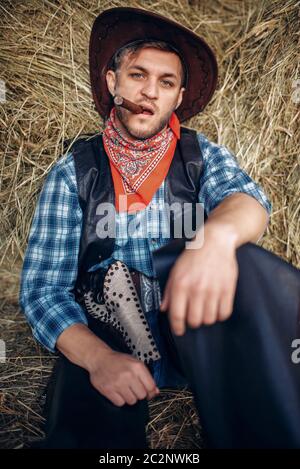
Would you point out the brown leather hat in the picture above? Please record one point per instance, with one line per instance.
(116, 27)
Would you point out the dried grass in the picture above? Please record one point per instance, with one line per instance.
(254, 112)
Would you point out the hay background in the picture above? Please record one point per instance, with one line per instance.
(254, 112)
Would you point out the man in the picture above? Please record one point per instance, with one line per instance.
(100, 395)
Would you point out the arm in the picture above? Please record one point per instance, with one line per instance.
(202, 283)
(237, 220)
(46, 294)
(82, 347)
(50, 270)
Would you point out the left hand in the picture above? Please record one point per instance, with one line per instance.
(201, 286)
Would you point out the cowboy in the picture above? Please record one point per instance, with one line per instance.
(75, 281)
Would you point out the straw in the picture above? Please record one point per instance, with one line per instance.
(254, 112)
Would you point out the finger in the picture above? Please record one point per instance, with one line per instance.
(128, 395)
(165, 300)
(138, 389)
(152, 394)
(210, 311)
(116, 399)
(148, 382)
(195, 310)
(177, 310)
(226, 306)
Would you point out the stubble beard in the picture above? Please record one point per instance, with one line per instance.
(155, 128)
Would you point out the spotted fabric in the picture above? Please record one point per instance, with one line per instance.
(119, 304)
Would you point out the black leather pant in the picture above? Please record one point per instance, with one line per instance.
(78, 416)
(245, 385)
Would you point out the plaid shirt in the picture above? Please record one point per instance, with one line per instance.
(50, 264)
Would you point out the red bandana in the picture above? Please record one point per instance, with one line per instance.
(139, 167)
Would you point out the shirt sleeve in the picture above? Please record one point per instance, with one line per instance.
(50, 265)
(223, 176)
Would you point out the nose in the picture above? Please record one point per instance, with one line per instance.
(150, 89)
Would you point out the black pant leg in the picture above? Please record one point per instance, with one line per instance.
(246, 387)
(80, 417)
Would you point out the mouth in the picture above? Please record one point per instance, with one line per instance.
(147, 110)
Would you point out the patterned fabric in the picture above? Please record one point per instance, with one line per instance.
(150, 293)
(50, 265)
(118, 303)
(138, 167)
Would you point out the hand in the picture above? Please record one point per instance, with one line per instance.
(122, 378)
(201, 285)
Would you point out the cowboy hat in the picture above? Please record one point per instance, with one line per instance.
(116, 27)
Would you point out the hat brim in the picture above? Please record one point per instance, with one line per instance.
(116, 27)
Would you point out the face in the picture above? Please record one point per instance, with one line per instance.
(152, 78)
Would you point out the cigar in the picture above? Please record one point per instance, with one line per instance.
(129, 105)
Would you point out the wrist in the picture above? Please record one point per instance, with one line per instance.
(81, 346)
(214, 234)
(96, 354)
(222, 234)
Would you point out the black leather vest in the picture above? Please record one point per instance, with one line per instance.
(95, 186)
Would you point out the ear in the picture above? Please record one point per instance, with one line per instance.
(111, 81)
(180, 97)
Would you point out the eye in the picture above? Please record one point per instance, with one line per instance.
(136, 75)
(167, 83)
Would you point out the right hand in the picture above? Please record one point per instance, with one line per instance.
(122, 379)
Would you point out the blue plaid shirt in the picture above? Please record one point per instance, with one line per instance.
(50, 264)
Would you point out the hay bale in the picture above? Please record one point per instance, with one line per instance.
(255, 110)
